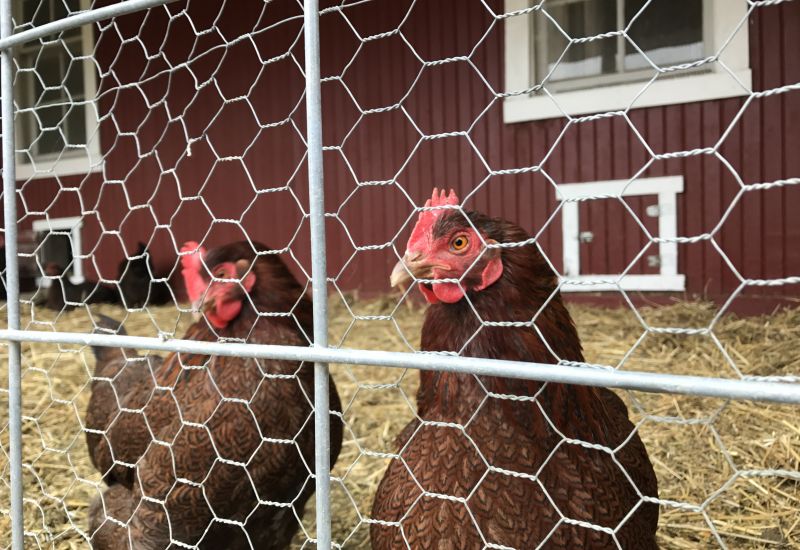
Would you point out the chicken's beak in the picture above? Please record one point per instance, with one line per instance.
(399, 275)
(412, 266)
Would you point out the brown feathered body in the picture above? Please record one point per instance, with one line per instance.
(540, 484)
(209, 437)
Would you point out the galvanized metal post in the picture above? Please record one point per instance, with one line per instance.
(80, 18)
(319, 274)
(12, 277)
(754, 388)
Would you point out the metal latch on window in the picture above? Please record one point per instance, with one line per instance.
(586, 236)
(653, 260)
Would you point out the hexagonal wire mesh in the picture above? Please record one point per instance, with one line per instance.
(157, 150)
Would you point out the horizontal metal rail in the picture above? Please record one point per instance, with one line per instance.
(82, 18)
(778, 392)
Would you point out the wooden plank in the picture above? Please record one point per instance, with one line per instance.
(656, 135)
(712, 196)
(604, 170)
(591, 253)
(730, 236)
(694, 197)
(620, 170)
(495, 149)
(673, 141)
(752, 154)
(772, 142)
(790, 15)
(392, 145)
(636, 238)
(529, 192)
(554, 167)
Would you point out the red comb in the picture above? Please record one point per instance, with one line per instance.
(192, 263)
(428, 217)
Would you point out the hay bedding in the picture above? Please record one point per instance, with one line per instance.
(696, 444)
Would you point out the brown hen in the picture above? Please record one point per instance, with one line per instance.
(191, 442)
(518, 477)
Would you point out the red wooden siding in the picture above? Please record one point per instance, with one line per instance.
(760, 237)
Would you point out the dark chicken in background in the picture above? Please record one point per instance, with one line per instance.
(65, 295)
(257, 444)
(136, 285)
(524, 436)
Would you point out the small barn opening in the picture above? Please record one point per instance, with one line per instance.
(588, 264)
(58, 242)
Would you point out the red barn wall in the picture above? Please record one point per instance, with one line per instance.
(152, 101)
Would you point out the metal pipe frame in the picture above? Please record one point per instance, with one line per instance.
(82, 18)
(320, 353)
(12, 276)
(319, 276)
(751, 390)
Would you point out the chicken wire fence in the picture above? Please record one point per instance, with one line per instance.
(165, 123)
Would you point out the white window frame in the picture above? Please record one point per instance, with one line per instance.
(667, 280)
(72, 225)
(86, 160)
(719, 17)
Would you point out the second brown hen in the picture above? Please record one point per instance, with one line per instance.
(192, 443)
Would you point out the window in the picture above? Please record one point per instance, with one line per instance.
(56, 86)
(608, 73)
(662, 273)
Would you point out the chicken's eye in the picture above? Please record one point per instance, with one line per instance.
(459, 243)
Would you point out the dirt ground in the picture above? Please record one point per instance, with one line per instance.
(732, 469)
